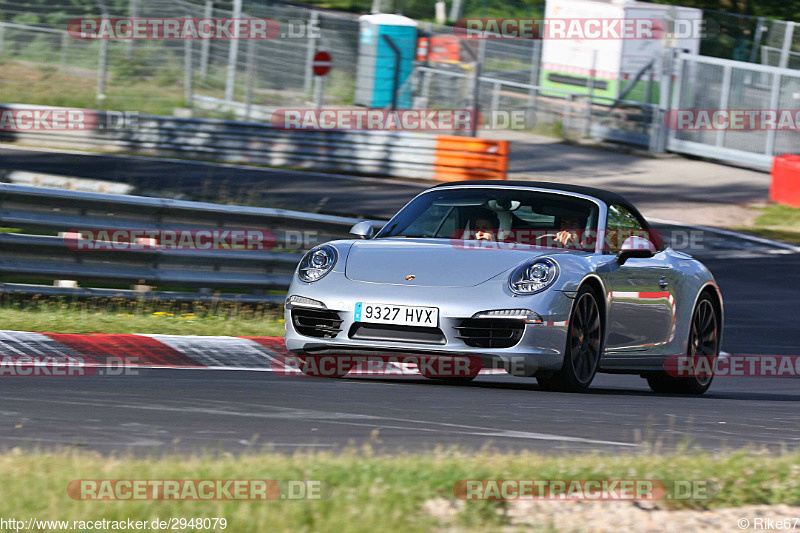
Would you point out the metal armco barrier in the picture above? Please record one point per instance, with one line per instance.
(54, 210)
(381, 153)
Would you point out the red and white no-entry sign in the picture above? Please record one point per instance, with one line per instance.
(321, 64)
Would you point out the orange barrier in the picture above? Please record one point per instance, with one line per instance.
(439, 49)
(785, 187)
(470, 158)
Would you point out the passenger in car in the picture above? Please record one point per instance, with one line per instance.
(485, 224)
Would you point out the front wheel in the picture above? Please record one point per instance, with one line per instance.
(584, 345)
(703, 342)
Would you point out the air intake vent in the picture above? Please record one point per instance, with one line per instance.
(394, 333)
(316, 322)
(490, 332)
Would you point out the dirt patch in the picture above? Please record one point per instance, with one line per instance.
(613, 517)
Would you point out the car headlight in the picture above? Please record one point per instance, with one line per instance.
(316, 263)
(533, 276)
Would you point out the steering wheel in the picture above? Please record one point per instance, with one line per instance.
(554, 235)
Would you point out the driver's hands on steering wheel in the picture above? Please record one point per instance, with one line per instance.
(567, 237)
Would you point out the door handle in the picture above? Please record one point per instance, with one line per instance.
(663, 283)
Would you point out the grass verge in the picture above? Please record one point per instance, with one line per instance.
(777, 222)
(61, 316)
(370, 492)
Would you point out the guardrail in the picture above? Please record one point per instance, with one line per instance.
(384, 153)
(47, 257)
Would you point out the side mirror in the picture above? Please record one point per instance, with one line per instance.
(363, 230)
(635, 246)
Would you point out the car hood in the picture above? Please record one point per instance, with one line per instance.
(433, 262)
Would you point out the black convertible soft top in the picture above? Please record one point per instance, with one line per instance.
(605, 196)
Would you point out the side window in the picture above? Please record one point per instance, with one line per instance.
(621, 224)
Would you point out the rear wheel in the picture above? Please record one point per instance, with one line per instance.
(584, 345)
(703, 342)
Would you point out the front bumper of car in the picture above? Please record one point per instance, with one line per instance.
(525, 346)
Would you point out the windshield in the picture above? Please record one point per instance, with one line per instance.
(504, 215)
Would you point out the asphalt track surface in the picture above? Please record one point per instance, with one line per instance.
(164, 410)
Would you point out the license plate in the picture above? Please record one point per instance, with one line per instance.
(403, 315)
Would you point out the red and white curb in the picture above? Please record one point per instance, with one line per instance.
(265, 354)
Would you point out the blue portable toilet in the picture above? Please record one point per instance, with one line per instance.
(377, 60)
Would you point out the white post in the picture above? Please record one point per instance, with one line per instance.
(102, 62)
(188, 88)
(133, 13)
(319, 81)
(101, 72)
(590, 99)
(64, 50)
(724, 99)
(787, 44)
(205, 44)
(251, 75)
(310, 51)
(496, 88)
(658, 131)
(233, 51)
(455, 10)
(533, 79)
(774, 99)
(441, 12)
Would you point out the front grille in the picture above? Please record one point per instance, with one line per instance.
(490, 332)
(316, 322)
(393, 333)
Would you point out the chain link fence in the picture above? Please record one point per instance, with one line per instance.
(711, 84)
(43, 64)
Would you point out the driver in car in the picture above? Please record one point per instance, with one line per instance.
(570, 226)
(485, 225)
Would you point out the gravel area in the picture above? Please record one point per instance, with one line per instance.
(628, 516)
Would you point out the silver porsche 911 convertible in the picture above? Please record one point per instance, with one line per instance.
(540, 279)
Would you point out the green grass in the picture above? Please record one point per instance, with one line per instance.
(105, 315)
(778, 222)
(792, 237)
(46, 85)
(780, 216)
(368, 491)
